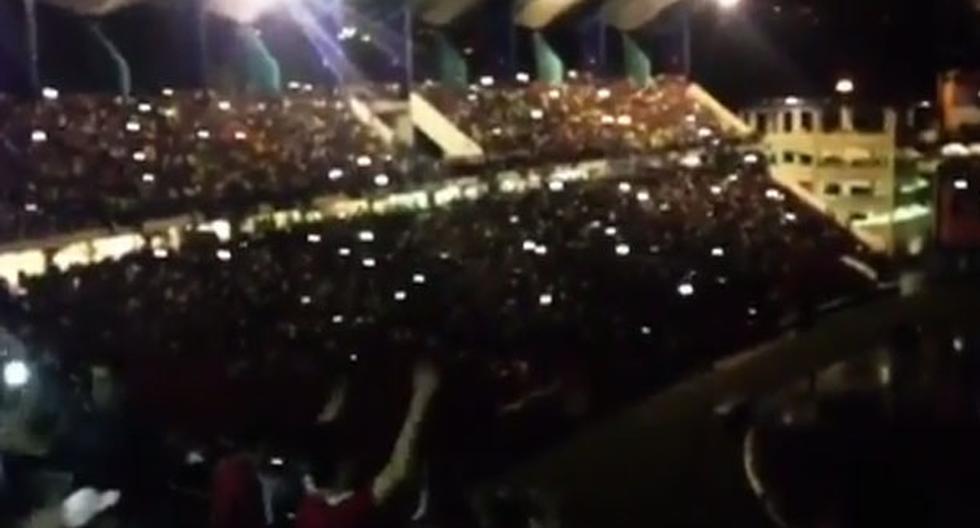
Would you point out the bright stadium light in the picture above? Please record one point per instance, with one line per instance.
(51, 94)
(845, 86)
(523, 77)
(728, 4)
(16, 374)
(39, 136)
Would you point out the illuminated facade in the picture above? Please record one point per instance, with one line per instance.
(846, 161)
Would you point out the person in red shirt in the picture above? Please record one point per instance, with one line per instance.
(338, 506)
(236, 500)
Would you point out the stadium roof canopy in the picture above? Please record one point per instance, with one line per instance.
(443, 12)
(536, 14)
(92, 7)
(632, 14)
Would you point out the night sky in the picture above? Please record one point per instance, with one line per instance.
(892, 49)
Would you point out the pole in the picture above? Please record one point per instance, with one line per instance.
(30, 21)
(687, 59)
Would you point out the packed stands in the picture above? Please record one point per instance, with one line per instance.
(84, 161)
(574, 121)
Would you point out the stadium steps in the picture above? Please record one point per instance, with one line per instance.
(728, 119)
(454, 143)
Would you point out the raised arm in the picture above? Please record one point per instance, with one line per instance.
(425, 381)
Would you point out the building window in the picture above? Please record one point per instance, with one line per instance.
(806, 121)
(806, 159)
(787, 121)
(831, 120)
(789, 157)
(832, 189)
(862, 189)
(773, 160)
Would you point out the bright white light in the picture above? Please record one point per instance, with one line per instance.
(313, 238)
(541, 250)
(337, 319)
(751, 158)
(16, 374)
(643, 196)
(369, 263)
(344, 251)
(686, 289)
(625, 187)
(472, 98)
(335, 174)
(418, 278)
(622, 250)
(691, 161)
(276, 461)
(774, 194)
(645, 330)
(400, 295)
(556, 185)
(486, 80)
(160, 253)
(529, 245)
(353, 358)
(753, 311)
(728, 4)
(603, 93)
(523, 77)
(611, 231)
(169, 112)
(133, 126)
(148, 177)
(224, 106)
(144, 108)
(545, 299)
(364, 161)
(497, 131)
(845, 86)
(381, 180)
(704, 132)
(624, 120)
(366, 38)
(537, 114)
(961, 184)
(139, 156)
(573, 74)
(30, 207)
(514, 219)
(223, 255)
(793, 101)
(366, 236)
(39, 136)
(554, 93)
(49, 93)
(717, 252)
(608, 119)
(203, 134)
(241, 136)
(715, 190)
(790, 217)
(167, 92)
(958, 344)
(305, 300)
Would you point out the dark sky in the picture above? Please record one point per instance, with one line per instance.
(893, 48)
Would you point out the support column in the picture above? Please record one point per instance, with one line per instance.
(550, 68)
(124, 77)
(636, 62)
(453, 70)
(33, 67)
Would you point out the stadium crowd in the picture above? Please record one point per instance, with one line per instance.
(578, 120)
(74, 162)
(542, 309)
